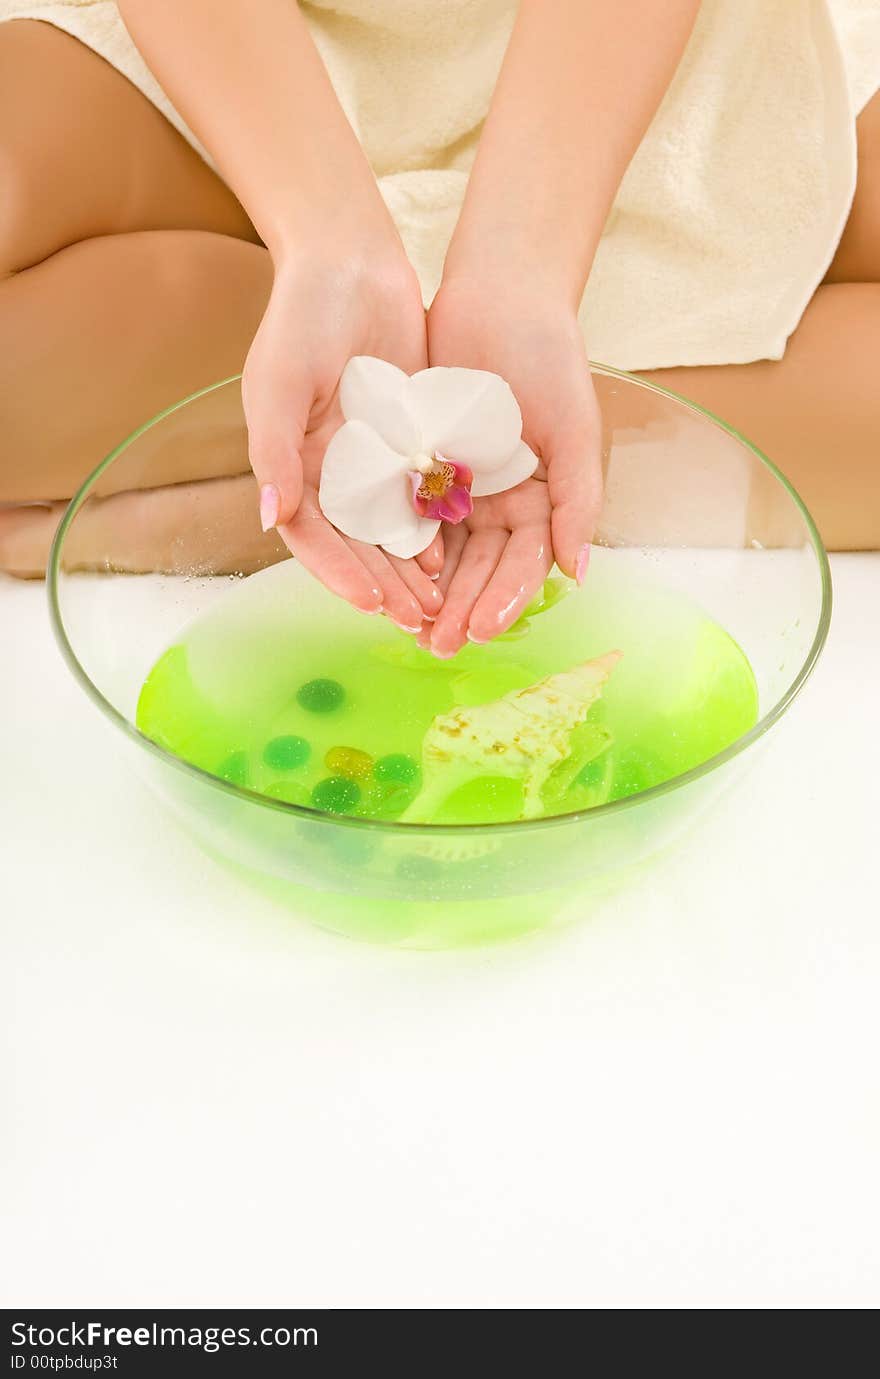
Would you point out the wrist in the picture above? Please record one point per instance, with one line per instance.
(371, 268)
(500, 279)
(496, 263)
(340, 226)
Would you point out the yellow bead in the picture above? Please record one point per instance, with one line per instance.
(349, 761)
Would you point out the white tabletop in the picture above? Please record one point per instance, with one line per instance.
(671, 1102)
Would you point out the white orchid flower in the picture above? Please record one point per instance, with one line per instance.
(415, 452)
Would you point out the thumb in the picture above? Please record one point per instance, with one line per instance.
(277, 415)
(574, 478)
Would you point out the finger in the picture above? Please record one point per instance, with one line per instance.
(321, 549)
(453, 545)
(397, 601)
(522, 569)
(574, 477)
(423, 589)
(277, 413)
(476, 566)
(431, 559)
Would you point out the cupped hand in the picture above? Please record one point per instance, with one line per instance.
(497, 559)
(324, 310)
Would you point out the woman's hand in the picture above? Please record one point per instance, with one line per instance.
(263, 104)
(577, 88)
(324, 309)
(496, 560)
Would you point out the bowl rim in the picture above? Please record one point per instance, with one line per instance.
(654, 792)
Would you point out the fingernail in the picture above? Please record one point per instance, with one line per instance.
(406, 627)
(583, 560)
(477, 641)
(443, 655)
(437, 576)
(270, 506)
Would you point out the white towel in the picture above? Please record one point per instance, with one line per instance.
(730, 212)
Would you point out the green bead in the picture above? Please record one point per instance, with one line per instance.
(388, 800)
(395, 803)
(234, 768)
(286, 753)
(400, 769)
(336, 794)
(320, 696)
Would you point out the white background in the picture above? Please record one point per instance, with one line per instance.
(672, 1101)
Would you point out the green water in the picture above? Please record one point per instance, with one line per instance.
(328, 708)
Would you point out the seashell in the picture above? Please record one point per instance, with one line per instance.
(524, 734)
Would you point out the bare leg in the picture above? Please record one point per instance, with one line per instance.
(210, 525)
(107, 332)
(816, 412)
(858, 253)
(129, 274)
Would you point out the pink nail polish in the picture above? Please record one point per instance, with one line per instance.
(270, 506)
(583, 561)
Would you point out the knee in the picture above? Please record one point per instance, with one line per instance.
(199, 270)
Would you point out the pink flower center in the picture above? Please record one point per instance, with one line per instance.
(438, 482)
(444, 491)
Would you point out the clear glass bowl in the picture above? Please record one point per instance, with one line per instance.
(687, 500)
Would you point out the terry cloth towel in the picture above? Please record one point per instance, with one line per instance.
(729, 214)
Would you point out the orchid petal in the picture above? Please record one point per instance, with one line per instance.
(365, 487)
(455, 505)
(375, 392)
(423, 533)
(522, 463)
(467, 415)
